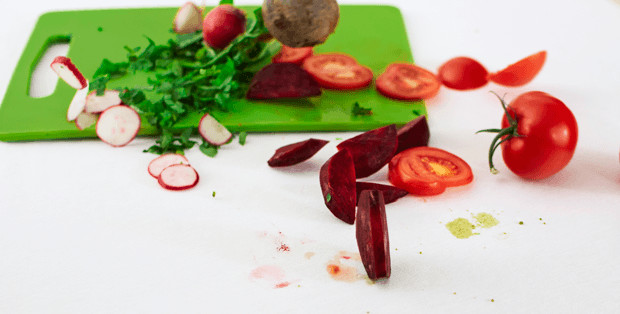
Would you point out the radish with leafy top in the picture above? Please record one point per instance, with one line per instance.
(118, 125)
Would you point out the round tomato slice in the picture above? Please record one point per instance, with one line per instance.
(521, 72)
(463, 73)
(292, 55)
(338, 71)
(428, 171)
(406, 81)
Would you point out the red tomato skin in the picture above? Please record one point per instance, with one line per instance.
(293, 55)
(463, 73)
(520, 72)
(549, 136)
(388, 83)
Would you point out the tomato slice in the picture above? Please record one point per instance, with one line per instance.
(428, 171)
(292, 55)
(406, 81)
(338, 71)
(463, 73)
(521, 72)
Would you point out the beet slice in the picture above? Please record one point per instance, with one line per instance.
(295, 153)
(371, 150)
(390, 193)
(337, 177)
(413, 134)
(282, 80)
(372, 234)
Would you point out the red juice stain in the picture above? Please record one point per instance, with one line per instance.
(284, 248)
(282, 284)
(346, 257)
(333, 269)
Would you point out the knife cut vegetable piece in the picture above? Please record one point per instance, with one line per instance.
(68, 72)
(463, 73)
(371, 232)
(427, 171)
(282, 80)
(222, 25)
(406, 81)
(371, 150)
(157, 165)
(390, 192)
(295, 153)
(301, 23)
(96, 104)
(337, 178)
(188, 19)
(521, 72)
(212, 131)
(338, 71)
(292, 55)
(85, 120)
(76, 107)
(118, 125)
(413, 134)
(178, 177)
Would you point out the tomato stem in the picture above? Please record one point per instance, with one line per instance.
(503, 135)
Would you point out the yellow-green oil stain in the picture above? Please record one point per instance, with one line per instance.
(486, 220)
(461, 228)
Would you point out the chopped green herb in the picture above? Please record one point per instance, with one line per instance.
(226, 2)
(416, 112)
(187, 76)
(520, 222)
(208, 149)
(358, 110)
(328, 197)
(100, 29)
(242, 137)
(213, 194)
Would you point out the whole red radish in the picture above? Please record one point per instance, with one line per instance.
(371, 233)
(222, 25)
(337, 177)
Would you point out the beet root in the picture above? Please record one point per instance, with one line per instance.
(413, 134)
(337, 177)
(372, 234)
(371, 150)
(282, 80)
(390, 193)
(295, 153)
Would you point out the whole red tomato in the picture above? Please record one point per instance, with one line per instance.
(538, 136)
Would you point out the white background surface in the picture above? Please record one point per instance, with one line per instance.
(85, 229)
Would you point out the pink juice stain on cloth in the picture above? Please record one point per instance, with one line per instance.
(271, 274)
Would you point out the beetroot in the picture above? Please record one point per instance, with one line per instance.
(372, 234)
(337, 177)
(371, 150)
(295, 153)
(282, 80)
(413, 134)
(390, 193)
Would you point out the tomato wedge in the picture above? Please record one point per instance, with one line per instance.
(338, 71)
(406, 81)
(463, 73)
(521, 72)
(427, 171)
(292, 55)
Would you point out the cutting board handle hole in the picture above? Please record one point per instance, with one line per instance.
(43, 80)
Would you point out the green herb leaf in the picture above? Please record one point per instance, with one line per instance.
(358, 110)
(226, 2)
(208, 149)
(242, 136)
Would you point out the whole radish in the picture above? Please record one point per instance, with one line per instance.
(222, 25)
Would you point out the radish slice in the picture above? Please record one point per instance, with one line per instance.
(96, 104)
(178, 177)
(85, 120)
(118, 125)
(157, 165)
(212, 131)
(77, 103)
(188, 19)
(68, 72)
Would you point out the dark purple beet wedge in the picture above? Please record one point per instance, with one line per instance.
(390, 193)
(282, 80)
(372, 234)
(337, 178)
(413, 134)
(295, 153)
(371, 150)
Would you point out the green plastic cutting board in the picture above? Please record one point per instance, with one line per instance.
(374, 35)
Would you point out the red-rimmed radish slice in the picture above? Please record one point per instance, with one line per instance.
(118, 125)
(188, 19)
(178, 177)
(96, 104)
(68, 72)
(77, 103)
(157, 165)
(85, 120)
(212, 131)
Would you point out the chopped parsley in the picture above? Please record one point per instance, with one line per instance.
(242, 137)
(358, 110)
(187, 76)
